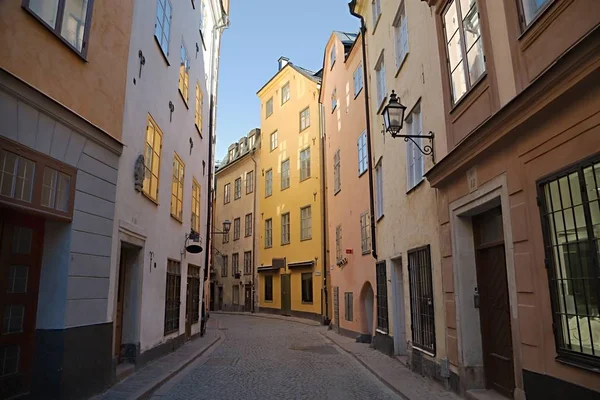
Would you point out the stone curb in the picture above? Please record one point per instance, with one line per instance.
(364, 364)
(269, 316)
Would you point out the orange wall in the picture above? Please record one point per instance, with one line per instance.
(343, 127)
(94, 89)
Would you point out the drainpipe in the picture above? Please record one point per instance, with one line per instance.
(363, 31)
(253, 224)
(324, 301)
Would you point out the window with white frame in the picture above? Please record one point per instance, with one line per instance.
(202, 16)
(304, 119)
(285, 174)
(274, 140)
(376, 11)
(305, 164)
(365, 233)
(531, 9)
(285, 228)
(305, 223)
(268, 233)
(379, 190)
(358, 79)
(285, 93)
(162, 26)
(381, 85)
(363, 159)
(401, 35)
(415, 163)
(334, 100)
(332, 56)
(269, 108)
(184, 73)
(268, 183)
(337, 178)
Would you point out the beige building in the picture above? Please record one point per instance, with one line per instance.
(234, 253)
(402, 56)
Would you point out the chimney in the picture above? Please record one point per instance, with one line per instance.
(283, 61)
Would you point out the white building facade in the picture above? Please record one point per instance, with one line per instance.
(156, 286)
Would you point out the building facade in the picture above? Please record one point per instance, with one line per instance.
(63, 71)
(235, 252)
(351, 272)
(518, 197)
(290, 194)
(156, 290)
(403, 57)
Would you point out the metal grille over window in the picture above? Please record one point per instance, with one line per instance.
(421, 299)
(570, 208)
(172, 297)
(382, 306)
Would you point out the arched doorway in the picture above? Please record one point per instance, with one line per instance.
(367, 304)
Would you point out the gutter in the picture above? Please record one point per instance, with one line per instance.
(363, 31)
(254, 230)
(324, 238)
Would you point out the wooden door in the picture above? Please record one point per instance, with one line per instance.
(248, 298)
(286, 296)
(21, 244)
(120, 303)
(188, 309)
(494, 309)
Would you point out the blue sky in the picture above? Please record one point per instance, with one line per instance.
(262, 31)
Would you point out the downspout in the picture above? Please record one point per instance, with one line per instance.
(363, 32)
(324, 301)
(254, 226)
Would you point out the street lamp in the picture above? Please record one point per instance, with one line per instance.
(226, 228)
(393, 120)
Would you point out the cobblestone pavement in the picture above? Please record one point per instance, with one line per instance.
(263, 358)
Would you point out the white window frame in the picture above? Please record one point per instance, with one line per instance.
(269, 108)
(379, 190)
(269, 182)
(358, 79)
(415, 161)
(285, 228)
(285, 93)
(304, 119)
(381, 84)
(305, 164)
(332, 56)
(376, 10)
(363, 157)
(306, 223)
(162, 5)
(268, 233)
(365, 234)
(274, 141)
(285, 174)
(337, 177)
(401, 35)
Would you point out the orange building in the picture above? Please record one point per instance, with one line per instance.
(351, 268)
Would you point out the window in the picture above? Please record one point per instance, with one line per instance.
(235, 264)
(307, 287)
(249, 182)
(184, 73)
(195, 206)
(12, 321)
(224, 266)
(238, 189)
(348, 309)
(152, 152)
(202, 16)
(357, 78)
(177, 188)
(226, 237)
(415, 163)
(570, 211)
(305, 164)
(363, 157)
(304, 119)
(268, 233)
(269, 108)
(231, 155)
(268, 183)
(379, 190)
(463, 44)
(248, 225)
(236, 228)
(285, 228)
(285, 93)
(198, 109)
(268, 287)
(332, 56)
(235, 290)
(382, 306)
(381, 85)
(273, 140)
(162, 26)
(17, 174)
(9, 359)
(337, 178)
(194, 282)
(338, 243)
(68, 19)
(305, 223)
(421, 299)
(365, 233)
(531, 9)
(334, 100)
(285, 174)
(401, 36)
(376, 10)
(226, 194)
(251, 141)
(247, 263)
(172, 297)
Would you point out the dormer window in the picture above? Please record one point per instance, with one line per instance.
(332, 56)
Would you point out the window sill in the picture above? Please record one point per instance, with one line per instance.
(305, 179)
(579, 362)
(268, 247)
(376, 24)
(358, 93)
(382, 331)
(466, 95)
(305, 128)
(176, 219)
(247, 235)
(421, 350)
(307, 302)
(381, 105)
(380, 218)
(268, 195)
(250, 192)
(285, 244)
(412, 189)
(335, 192)
(284, 102)
(267, 117)
(269, 301)
(165, 56)
(401, 65)
(237, 198)
(304, 240)
(333, 109)
(150, 198)
(285, 188)
(362, 173)
(185, 102)
(273, 149)
(365, 253)
(198, 130)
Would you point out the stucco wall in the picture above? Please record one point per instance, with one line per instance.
(93, 88)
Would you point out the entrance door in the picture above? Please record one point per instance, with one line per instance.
(188, 310)
(248, 298)
(21, 243)
(494, 312)
(220, 297)
(120, 302)
(286, 301)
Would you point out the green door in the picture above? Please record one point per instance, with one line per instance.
(286, 300)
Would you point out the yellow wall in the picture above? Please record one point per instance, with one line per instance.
(94, 89)
(286, 120)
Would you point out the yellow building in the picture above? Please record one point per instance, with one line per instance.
(291, 244)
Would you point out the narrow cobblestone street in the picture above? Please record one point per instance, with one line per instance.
(263, 358)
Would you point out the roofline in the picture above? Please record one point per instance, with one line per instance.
(218, 171)
(291, 65)
(325, 70)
